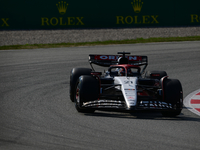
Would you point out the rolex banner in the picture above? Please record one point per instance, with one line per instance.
(67, 14)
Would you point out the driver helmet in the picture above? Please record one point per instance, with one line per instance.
(121, 72)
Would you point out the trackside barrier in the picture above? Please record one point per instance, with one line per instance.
(66, 14)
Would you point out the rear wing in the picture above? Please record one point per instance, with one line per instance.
(108, 60)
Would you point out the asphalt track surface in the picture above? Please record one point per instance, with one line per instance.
(37, 114)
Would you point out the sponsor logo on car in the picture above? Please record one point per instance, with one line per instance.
(115, 57)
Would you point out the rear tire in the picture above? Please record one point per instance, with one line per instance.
(87, 89)
(173, 94)
(149, 74)
(74, 75)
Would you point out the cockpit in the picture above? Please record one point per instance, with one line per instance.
(124, 70)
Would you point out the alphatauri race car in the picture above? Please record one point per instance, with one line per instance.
(125, 86)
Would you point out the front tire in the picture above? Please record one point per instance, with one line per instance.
(74, 75)
(173, 94)
(87, 89)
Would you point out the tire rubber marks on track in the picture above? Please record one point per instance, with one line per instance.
(192, 102)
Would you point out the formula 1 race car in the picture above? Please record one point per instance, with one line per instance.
(125, 86)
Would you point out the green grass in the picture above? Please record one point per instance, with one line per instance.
(139, 40)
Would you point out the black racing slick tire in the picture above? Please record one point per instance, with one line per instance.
(74, 75)
(155, 74)
(87, 89)
(173, 94)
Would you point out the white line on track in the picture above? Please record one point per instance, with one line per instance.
(192, 102)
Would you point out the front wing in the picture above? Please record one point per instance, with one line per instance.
(116, 104)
